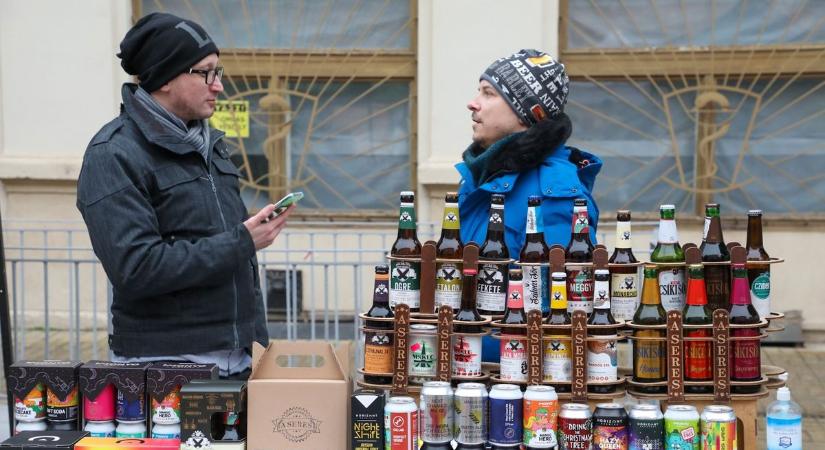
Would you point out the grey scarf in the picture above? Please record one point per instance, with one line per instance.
(196, 135)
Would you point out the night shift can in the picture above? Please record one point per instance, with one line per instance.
(401, 424)
(609, 427)
(575, 427)
(421, 359)
(471, 413)
(718, 428)
(62, 410)
(32, 407)
(129, 410)
(367, 419)
(541, 412)
(646, 428)
(682, 428)
(436, 412)
(506, 403)
(100, 428)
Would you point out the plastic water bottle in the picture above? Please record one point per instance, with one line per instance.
(784, 422)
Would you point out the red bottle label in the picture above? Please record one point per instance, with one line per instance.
(698, 357)
(745, 359)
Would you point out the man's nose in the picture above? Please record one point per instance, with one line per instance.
(473, 105)
(216, 86)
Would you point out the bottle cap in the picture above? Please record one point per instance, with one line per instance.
(783, 394)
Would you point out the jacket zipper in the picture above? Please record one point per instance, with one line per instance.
(223, 221)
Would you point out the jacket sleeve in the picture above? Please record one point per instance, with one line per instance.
(125, 234)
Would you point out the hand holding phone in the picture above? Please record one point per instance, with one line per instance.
(284, 203)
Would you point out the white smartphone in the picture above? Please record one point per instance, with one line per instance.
(284, 203)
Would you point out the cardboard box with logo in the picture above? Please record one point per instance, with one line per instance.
(299, 396)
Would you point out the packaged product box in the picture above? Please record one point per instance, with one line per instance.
(213, 415)
(96, 443)
(367, 419)
(163, 383)
(60, 381)
(43, 440)
(128, 379)
(299, 395)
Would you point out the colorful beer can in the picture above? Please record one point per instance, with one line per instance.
(401, 424)
(436, 412)
(575, 426)
(37, 425)
(102, 407)
(61, 425)
(646, 428)
(541, 412)
(471, 406)
(166, 431)
(466, 355)
(506, 418)
(718, 428)
(32, 407)
(513, 365)
(102, 428)
(129, 410)
(421, 354)
(610, 427)
(134, 429)
(58, 409)
(682, 428)
(167, 411)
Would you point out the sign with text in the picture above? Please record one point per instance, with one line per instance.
(231, 117)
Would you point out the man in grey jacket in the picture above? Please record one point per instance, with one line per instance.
(161, 200)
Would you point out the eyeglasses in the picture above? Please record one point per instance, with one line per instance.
(211, 75)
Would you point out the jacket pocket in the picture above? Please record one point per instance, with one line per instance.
(180, 202)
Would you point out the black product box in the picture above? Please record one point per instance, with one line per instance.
(129, 379)
(202, 404)
(164, 377)
(367, 420)
(43, 440)
(60, 377)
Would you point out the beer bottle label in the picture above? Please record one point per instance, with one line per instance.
(533, 221)
(513, 360)
(448, 285)
(535, 280)
(761, 293)
(540, 422)
(451, 221)
(580, 289)
(745, 360)
(602, 361)
(649, 358)
(698, 356)
(717, 286)
(377, 352)
(672, 288)
(624, 238)
(581, 224)
(624, 295)
(558, 360)
(406, 220)
(601, 295)
(491, 289)
(404, 283)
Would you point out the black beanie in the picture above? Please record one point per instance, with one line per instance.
(534, 84)
(161, 46)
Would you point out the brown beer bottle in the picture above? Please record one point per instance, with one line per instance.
(378, 345)
(535, 250)
(649, 356)
(492, 278)
(580, 250)
(514, 315)
(405, 285)
(449, 246)
(713, 249)
(558, 353)
(745, 358)
(624, 281)
(759, 275)
(468, 311)
(601, 354)
(698, 354)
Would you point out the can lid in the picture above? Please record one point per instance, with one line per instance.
(401, 399)
(422, 327)
(540, 388)
(609, 406)
(575, 406)
(646, 407)
(681, 408)
(472, 386)
(505, 387)
(718, 408)
(436, 384)
(558, 275)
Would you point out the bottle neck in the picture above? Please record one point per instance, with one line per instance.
(406, 221)
(754, 238)
(667, 231)
(713, 230)
(650, 292)
(624, 238)
(451, 221)
(515, 295)
(696, 293)
(740, 290)
(495, 224)
(558, 295)
(468, 291)
(534, 225)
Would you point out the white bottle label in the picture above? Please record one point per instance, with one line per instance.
(672, 288)
(624, 238)
(624, 295)
(602, 361)
(532, 288)
(491, 289)
(667, 232)
(448, 285)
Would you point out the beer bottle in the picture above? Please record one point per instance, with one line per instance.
(468, 311)
(466, 353)
(514, 315)
(624, 281)
(558, 353)
(449, 246)
(378, 345)
(698, 354)
(513, 349)
(759, 275)
(668, 250)
(580, 250)
(713, 249)
(649, 356)
(404, 282)
(535, 250)
(492, 278)
(602, 362)
(745, 362)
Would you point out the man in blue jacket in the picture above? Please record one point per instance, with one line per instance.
(518, 150)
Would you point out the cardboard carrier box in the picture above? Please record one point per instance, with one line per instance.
(298, 396)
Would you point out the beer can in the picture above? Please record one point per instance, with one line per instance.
(471, 413)
(401, 424)
(609, 427)
(421, 354)
(466, 355)
(646, 428)
(513, 359)
(102, 407)
(36, 425)
(129, 410)
(61, 425)
(682, 428)
(718, 428)
(131, 429)
(102, 428)
(32, 407)
(166, 431)
(575, 426)
(65, 409)
(167, 411)
(436, 412)
(541, 411)
(558, 359)
(506, 426)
